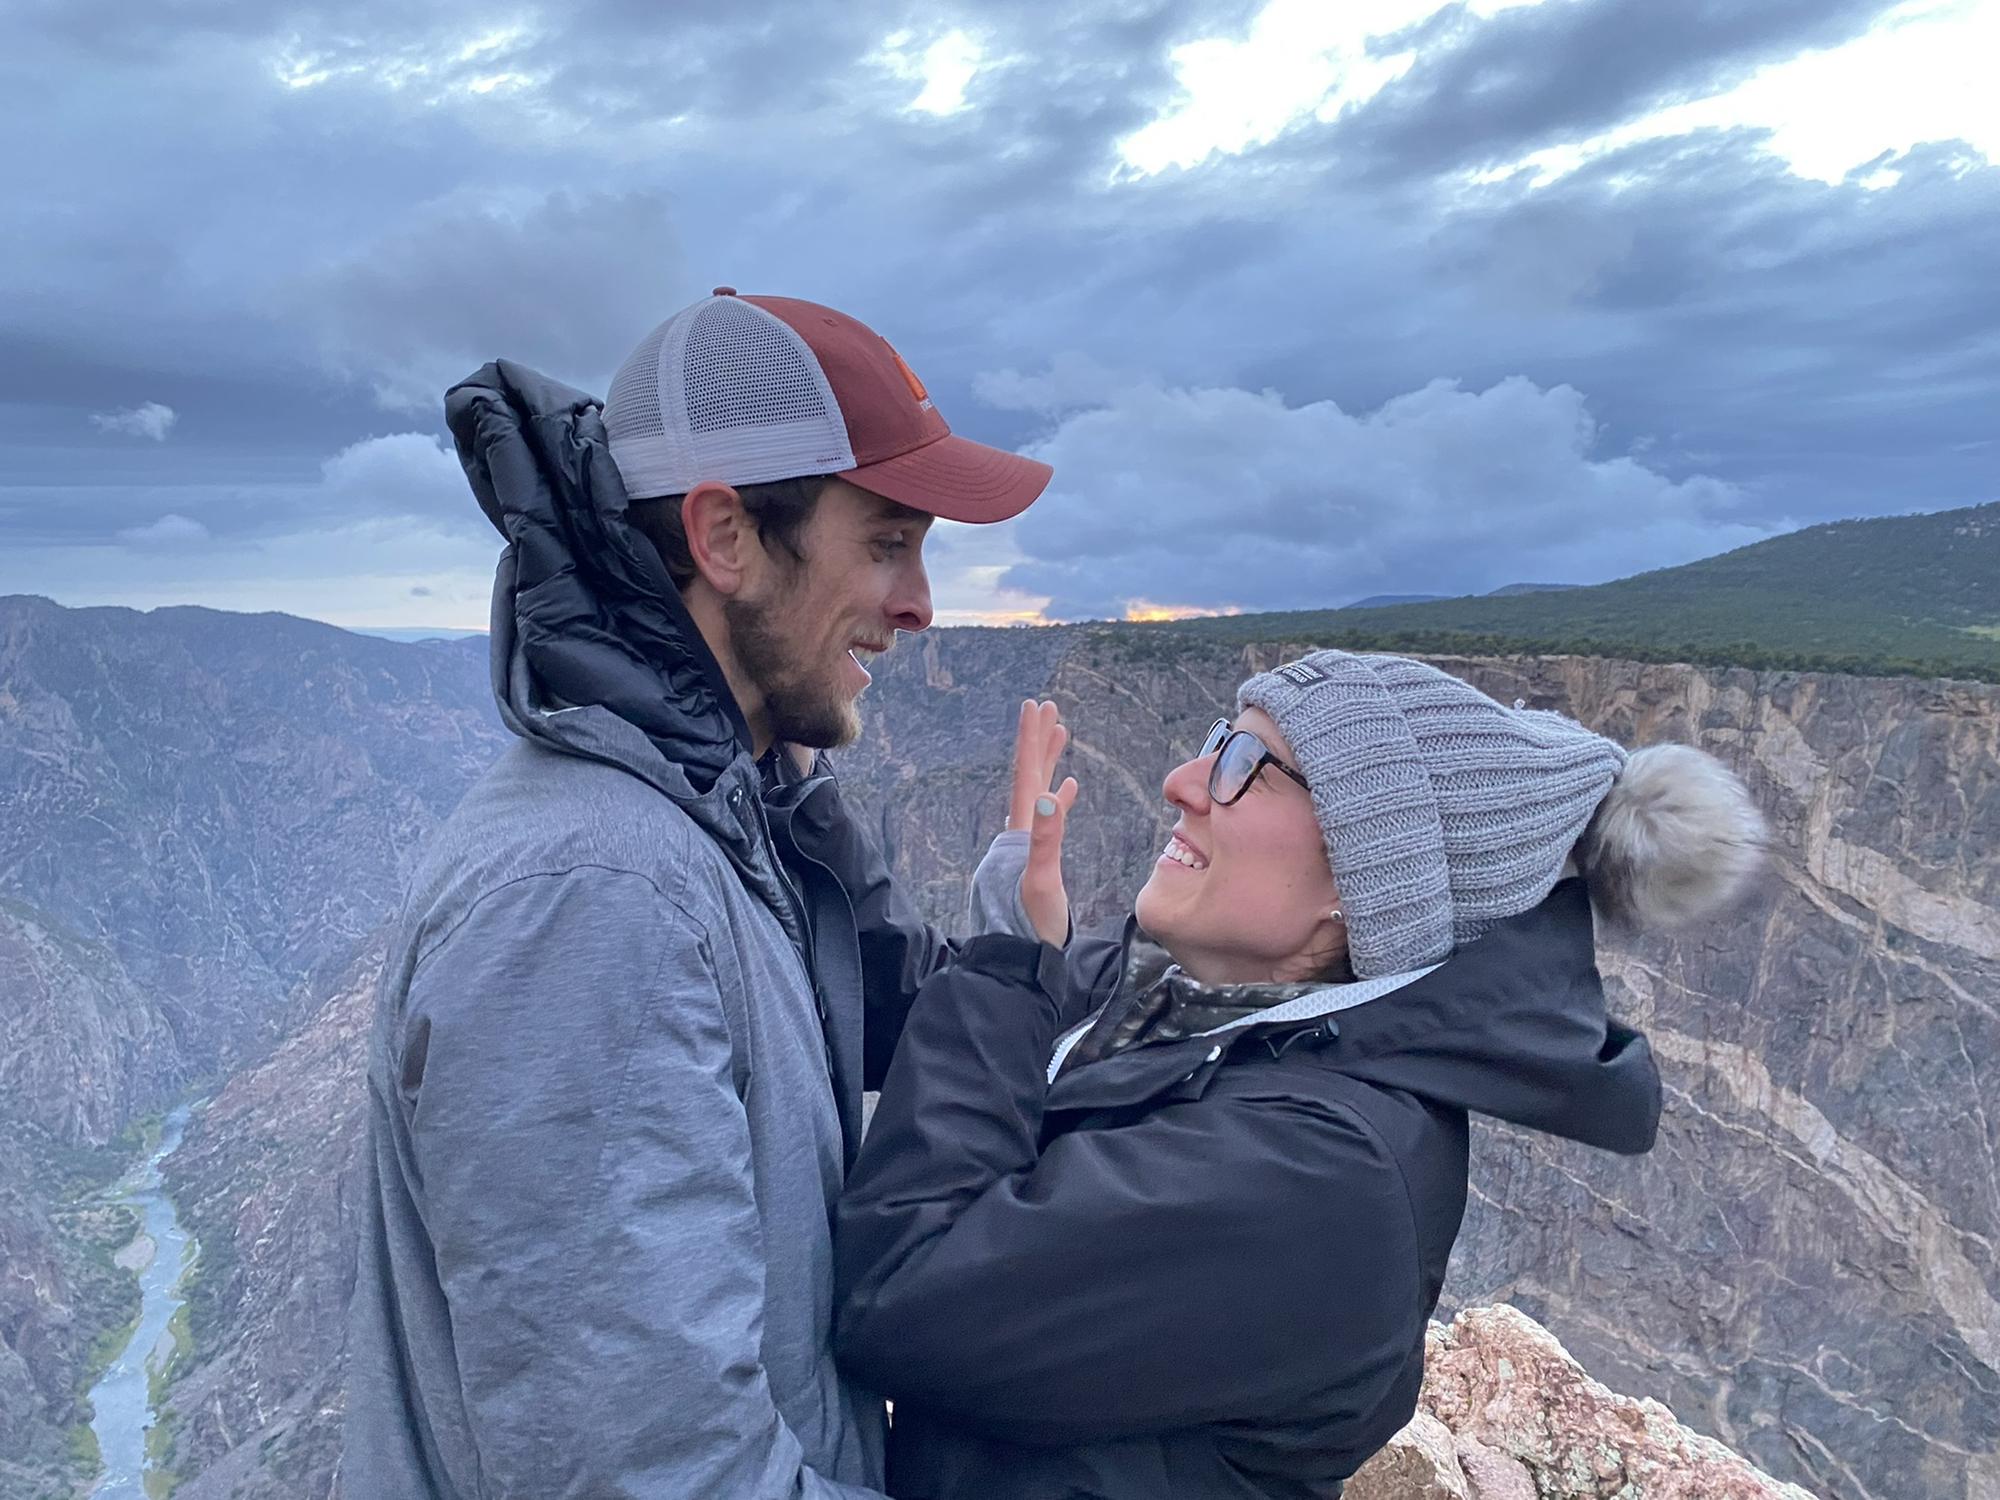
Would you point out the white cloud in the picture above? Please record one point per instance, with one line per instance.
(1300, 58)
(168, 531)
(945, 66)
(405, 473)
(1923, 73)
(148, 420)
(431, 66)
(1072, 380)
(1214, 498)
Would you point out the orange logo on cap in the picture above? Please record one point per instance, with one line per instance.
(909, 376)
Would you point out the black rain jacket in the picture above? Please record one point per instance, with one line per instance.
(1198, 1267)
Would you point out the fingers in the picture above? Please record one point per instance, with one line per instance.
(1045, 835)
(1042, 889)
(1039, 739)
(1027, 760)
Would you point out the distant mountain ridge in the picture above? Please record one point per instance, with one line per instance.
(1891, 596)
(1505, 591)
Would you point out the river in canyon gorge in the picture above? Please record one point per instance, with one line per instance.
(161, 1253)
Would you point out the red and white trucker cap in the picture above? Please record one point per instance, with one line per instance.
(745, 390)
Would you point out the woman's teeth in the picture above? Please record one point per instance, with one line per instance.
(1181, 854)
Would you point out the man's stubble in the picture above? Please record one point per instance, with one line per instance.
(803, 704)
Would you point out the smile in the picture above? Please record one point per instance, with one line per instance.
(1179, 851)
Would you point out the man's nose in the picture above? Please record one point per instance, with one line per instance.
(910, 605)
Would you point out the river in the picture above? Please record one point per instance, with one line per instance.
(120, 1399)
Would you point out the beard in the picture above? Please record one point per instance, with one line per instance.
(804, 704)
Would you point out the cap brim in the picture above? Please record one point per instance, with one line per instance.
(957, 479)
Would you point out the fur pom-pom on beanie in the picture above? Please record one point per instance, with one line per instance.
(1444, 811)
(1676, 839)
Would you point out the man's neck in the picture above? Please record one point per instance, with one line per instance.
(704, 606)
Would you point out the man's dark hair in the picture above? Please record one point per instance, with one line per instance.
(779, 510)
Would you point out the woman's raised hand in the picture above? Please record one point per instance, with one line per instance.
(1038, 744)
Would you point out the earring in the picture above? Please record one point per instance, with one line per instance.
(1336, 915)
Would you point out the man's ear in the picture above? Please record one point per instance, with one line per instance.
(722, 541)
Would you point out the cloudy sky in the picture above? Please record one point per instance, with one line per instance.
(1304, 301)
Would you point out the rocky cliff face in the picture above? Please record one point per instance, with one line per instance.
(200, 814)
(59, 1290)
(265, 1180)
(206, 810)
(1804, 1269)
(1507, 1414)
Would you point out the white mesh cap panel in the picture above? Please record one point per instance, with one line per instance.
(745, 368)
(723, 390)
(633, 408)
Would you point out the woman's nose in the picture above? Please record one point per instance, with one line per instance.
(1186, 786)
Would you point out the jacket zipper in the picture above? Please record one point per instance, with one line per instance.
(795, 898)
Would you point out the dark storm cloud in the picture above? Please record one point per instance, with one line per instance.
(568, 276)
(1226, 497)
(297, 268)
(1491, 91)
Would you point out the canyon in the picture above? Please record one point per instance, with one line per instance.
(203, 820)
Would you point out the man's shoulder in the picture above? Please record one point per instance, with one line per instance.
(541, 812)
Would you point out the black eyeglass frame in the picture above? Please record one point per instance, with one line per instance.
(1220, 735)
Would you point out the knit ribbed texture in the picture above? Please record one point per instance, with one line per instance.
(1443, 811)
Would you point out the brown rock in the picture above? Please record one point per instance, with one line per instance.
(1493, 1475)
(1418, 1464)
(1501, 1382)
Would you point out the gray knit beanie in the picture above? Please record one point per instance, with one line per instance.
(1445, 812)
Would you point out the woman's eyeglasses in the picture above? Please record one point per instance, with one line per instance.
(1239, 756)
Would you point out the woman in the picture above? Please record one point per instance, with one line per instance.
(1124, 1231)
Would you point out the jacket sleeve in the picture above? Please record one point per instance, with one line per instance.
(899, 949)
(584, 1166)
(1219, 1259)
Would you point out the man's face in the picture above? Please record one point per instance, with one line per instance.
(801, 629)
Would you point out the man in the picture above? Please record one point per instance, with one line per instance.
(647, 968)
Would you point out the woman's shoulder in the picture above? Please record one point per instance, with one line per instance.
(1409, 1142)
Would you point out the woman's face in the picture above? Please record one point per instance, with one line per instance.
(1242, 893)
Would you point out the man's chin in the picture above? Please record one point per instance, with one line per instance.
(820, 726)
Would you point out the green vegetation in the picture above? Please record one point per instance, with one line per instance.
(107, 1300)
(86, 1457)
(160, 1373)
(142, 1137)
(69, 1186)
(1898, 596)
(162, 1438)
(206, 1282)
(104, 1348)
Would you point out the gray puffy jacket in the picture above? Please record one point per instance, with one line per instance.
(615, 1079)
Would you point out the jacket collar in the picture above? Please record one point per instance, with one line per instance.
(593, 652)
(1513, 1026)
